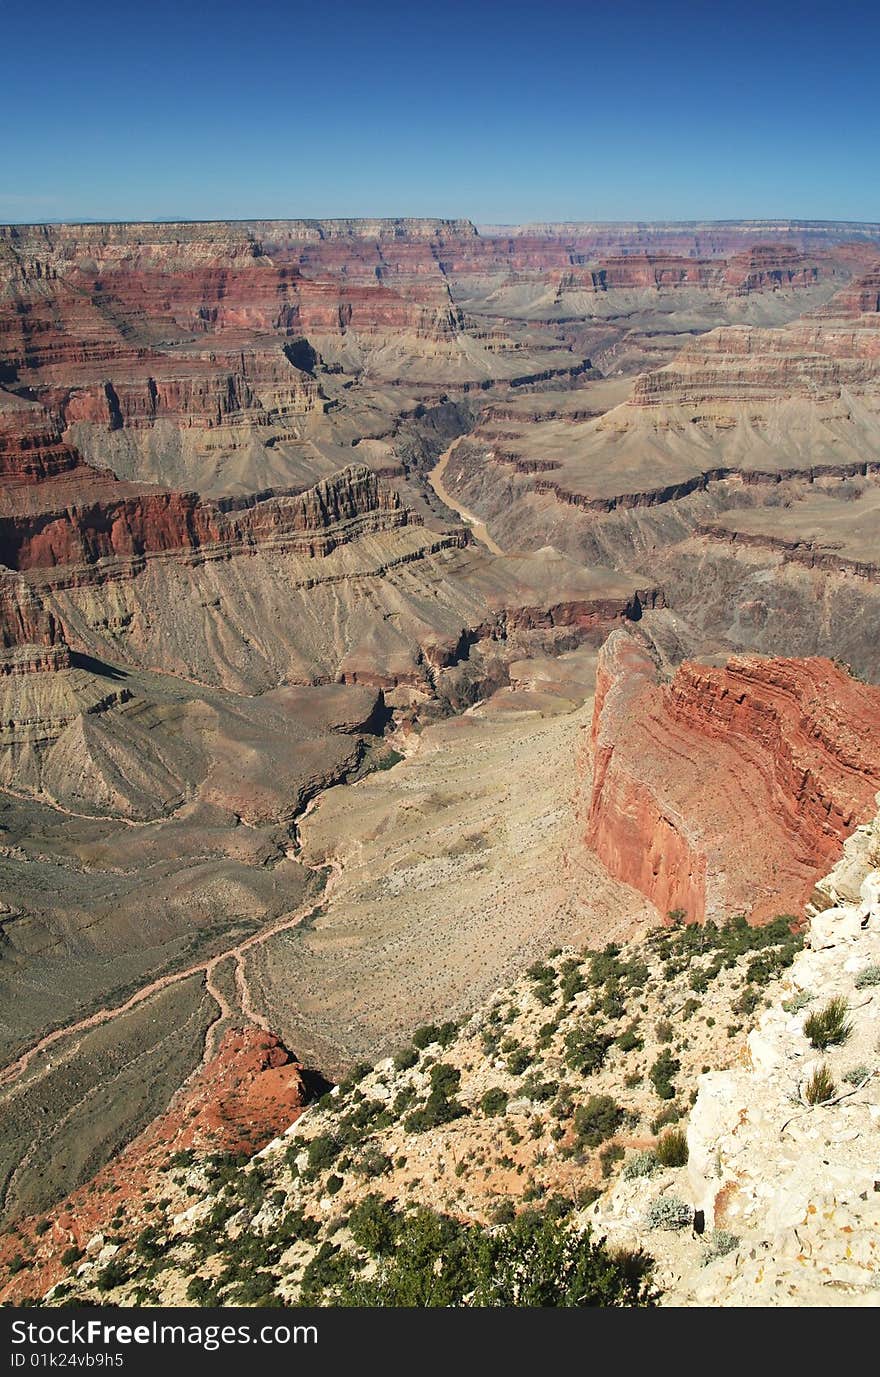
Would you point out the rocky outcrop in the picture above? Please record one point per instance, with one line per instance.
(795, 1181)
(727, 789)
(250, 1090)
(778, 1203)
(145, 523)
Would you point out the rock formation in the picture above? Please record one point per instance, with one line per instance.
(729, 788)
(784, 1177)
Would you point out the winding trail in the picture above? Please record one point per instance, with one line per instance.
(208, 967)
(435, 478)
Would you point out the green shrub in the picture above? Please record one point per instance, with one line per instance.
(445, 1079)
(798, 1001)
(43, 1227)
(641, 1164)
(354, 1077)
(533, 1088)
(149, 1244)
(494, 1102)
(870, 975)
(629, 1040)
(668, 1212)
(598, 1119)
(112, 1275)
(519, 1061)
(719, 1243)
(748, 1001)
(536, 1260)
(201, 1292)
(71, 1255)
(373, 1225)
(439, 1107)
(820, 1087)
(672, 1148)
(830, 1025)
(670, 1115)
(612, 1003)
(373, 1162)
(334, 1184)
(662, 1072)
(444, 1034)
(857, 1074)
(604, 965)
(572, 981)
(586, 1048)
(323, 1151)
(405, 1058)
(504, 1212)
(609, 1155)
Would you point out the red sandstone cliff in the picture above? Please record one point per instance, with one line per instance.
(729, 789)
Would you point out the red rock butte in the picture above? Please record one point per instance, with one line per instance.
(729, 789)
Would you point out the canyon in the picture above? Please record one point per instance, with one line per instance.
(384, 603)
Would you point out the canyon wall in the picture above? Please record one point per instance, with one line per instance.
(727, 789)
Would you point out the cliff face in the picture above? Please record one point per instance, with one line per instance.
(141, 524)
(728, 789)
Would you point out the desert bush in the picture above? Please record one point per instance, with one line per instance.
(405, 1058)
(373, 1162)
(857, 1074)
(668, 1212)
(641, 1164)
(149, 1244)
(820, 1086)
(504, 1212)
(629, 1040)
(829, 1025)
(112, 1275)
(609, 1155)
(572, 981)
(323, 1151)
(519, 1061)
(670, 1115)
(71, 1255)
(586, 1048)
(798, 1001)
(869, 975)
(444, 1034)
(354, 1077)
(597, 1120)
(440, 1107)
(201, 1292)
(672, 1148)
(494, 1101)
(719, 1243)
(662, 1072)
(544, 981)
(535, 1260)
(533, 1088)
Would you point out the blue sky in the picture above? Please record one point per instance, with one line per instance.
(497, 111)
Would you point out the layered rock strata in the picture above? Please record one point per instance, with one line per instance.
(729, 788)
